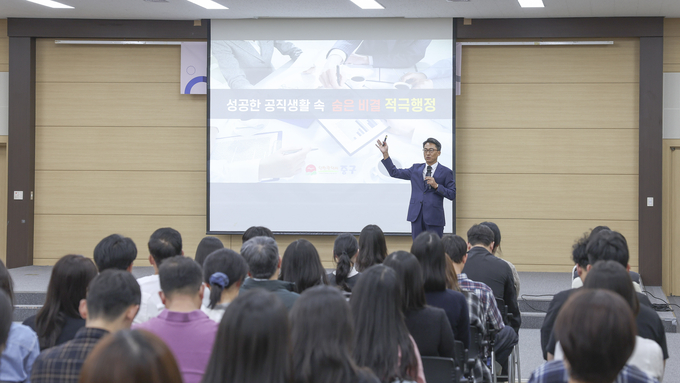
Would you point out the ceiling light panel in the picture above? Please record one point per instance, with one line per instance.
(208, 4)
(51, 4)
(531, 3)
(368, 4)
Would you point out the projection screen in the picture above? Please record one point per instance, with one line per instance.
(296, 107)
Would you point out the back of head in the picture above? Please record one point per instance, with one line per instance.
(596, 330)
(111, 293)
(115, 252)
(221, 270)
(301, 265)
(455, 247)
(429, 250)
(322, 334)
(262, 256)
(578, 251)
(256, 231)
(164, 243)
(180, 275)
(344, 248)
(409, 273)
(496, 234)
(131, 356)
(205, 247)
(610, 275)
(6, 311)
(254, 338)
(372, 247)
(6, 282)
(480, 235)
(607, 245)
(68, 285)
(380, 331)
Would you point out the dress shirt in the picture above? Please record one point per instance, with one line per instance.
(62, 364)
(21, 350)
(151, 304)
(434, 167)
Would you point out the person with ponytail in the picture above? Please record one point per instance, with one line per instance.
(345, 250)
(223, 273)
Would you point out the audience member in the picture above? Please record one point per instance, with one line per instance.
(256, 231)
(606, 245)
(429, 250)
(112, 302)
(486, 311)
(483, 266)
(6, 310)
(131, 356)
(164, 243)
(186, 329)
(372, 247)
(301, 265)
(253, 341)
(262, 256)
(429, 326)
(206, 247)
(596, 329)
(345, 250)
(59, 319)
(322, 335)
(496, 250)
(382, 340)
(21, 347)
(115, 252)
(223, 272)
(610, 275)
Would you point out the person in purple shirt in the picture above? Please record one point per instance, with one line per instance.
(186, 329)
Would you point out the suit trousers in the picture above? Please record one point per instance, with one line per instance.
(418, 226)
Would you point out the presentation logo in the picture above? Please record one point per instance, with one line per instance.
(311, 170)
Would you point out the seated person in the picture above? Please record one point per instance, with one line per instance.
(186, 329)
(596, 329)
(224, 271)
(345, 252)
(115, 252)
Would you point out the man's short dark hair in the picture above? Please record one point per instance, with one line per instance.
(262, 256)
(608, 245)
(455, 247)
(164, 243)
(480, 235)
(110, 293)
(115, 252)
(180, 275)
(256, 231)
(434, 142)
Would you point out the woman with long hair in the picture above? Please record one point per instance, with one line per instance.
(59, 318)
(131, 356)
(20, 348)
(301, 265)
(253, 341)
(382, 340)
(428, 325)
(322, 335)
(372, 247)
(345, 250)
(429, 250)
(223, 273)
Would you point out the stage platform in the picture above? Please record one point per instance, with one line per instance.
(536, 291)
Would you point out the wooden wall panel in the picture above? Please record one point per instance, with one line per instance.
(671, 45)
(581, 64)
(564, 151)
(534, 243)
(4, 46)
(110, 148)
(575, 105)
(107, 63)
(671, 217)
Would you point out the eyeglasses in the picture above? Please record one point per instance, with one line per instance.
(430, 150)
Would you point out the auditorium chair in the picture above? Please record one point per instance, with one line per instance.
(514, 374)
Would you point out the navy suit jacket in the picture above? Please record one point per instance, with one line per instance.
(428, 199)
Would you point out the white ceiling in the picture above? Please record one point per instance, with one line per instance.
(184, 10)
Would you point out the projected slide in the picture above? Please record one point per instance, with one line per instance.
(293, 125)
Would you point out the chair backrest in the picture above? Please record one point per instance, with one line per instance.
(440, 370)
(459, 354)
(500, 302)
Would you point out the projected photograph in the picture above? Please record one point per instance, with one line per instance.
(341, 64)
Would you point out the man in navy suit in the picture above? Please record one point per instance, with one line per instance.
(430, 183)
